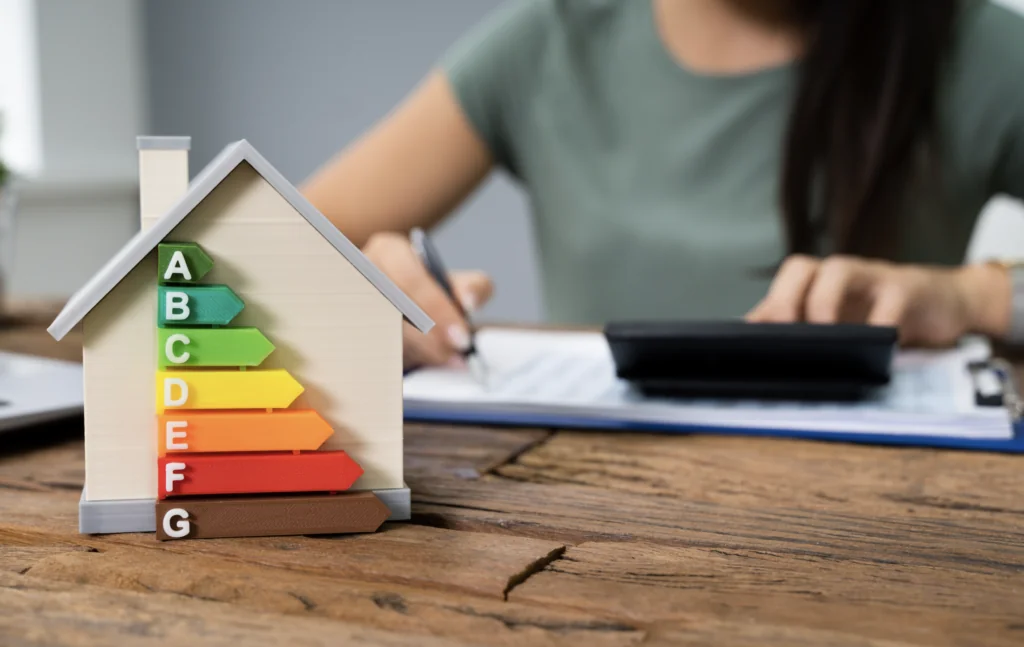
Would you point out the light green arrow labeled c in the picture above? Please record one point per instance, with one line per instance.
(212, 347)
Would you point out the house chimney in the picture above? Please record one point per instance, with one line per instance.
(163, 175)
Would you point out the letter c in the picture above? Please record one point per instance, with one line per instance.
(169, 348)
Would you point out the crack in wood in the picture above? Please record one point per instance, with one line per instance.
(512, 527)
(462, 506)
(514, 457)
(308, 604)
(193, 596)
(945, 504)
(11, 554)
(532, 568)
(391, 602)
(20, 487)
(61, 485)
(560, 627)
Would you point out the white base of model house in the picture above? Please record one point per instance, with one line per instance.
(139, 515)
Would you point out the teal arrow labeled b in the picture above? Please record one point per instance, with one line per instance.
(212, 347)
(206, 305)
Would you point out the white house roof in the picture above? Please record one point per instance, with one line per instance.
(204, 183)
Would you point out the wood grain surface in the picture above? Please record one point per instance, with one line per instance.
(546, 537)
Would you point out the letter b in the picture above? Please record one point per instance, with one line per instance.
(176, 306)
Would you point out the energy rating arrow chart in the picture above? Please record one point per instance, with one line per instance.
(270, 389)
(226, 430)
(212, 347)
(182, 262)
(243, 431)
(207, 305)
(268, 472)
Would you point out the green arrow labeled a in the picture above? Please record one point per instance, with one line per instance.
(182, 262)
(197, 305)
(212, 347)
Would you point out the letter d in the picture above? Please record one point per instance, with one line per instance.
(169, 399)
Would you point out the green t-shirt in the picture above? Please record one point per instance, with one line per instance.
(654, 189)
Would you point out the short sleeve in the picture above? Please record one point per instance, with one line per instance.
(1006, 68)
(1009, 171)
(491, 69)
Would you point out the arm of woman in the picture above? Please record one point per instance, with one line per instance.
(430, 153)
(409, 171)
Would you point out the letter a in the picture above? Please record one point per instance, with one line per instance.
(177, 266)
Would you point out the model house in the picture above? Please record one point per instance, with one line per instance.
(238, 344)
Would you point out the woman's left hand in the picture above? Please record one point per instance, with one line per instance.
(930, 306)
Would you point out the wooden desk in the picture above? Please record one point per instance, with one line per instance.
(541, 537)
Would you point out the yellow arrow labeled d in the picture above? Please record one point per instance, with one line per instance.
(271, 389)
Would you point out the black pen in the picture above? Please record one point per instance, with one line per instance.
(431, 259)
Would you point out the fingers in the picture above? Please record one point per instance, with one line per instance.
(425, 350)
(836, 289)
(785, 300)
(923, 303)
(826, 294)
(840, 285)
(890, 307)
(473, 288)
(449, 338)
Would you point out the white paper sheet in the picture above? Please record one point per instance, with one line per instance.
(572, 374)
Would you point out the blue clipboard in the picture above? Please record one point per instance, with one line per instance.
(995, 371)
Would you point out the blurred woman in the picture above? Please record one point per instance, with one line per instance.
(787, 160)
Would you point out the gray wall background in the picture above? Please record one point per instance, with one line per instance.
(301, 79)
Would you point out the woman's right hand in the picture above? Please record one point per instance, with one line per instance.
(448, 340)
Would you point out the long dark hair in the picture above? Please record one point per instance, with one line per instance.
(865, 110)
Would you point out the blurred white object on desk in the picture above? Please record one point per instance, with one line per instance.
(35, 390)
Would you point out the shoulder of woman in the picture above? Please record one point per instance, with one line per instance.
(520, 33)
(566, 15)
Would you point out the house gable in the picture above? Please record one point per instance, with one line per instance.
(209, 179)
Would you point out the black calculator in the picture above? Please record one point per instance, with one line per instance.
(736, 359)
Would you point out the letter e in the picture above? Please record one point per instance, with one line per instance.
(172, 435)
